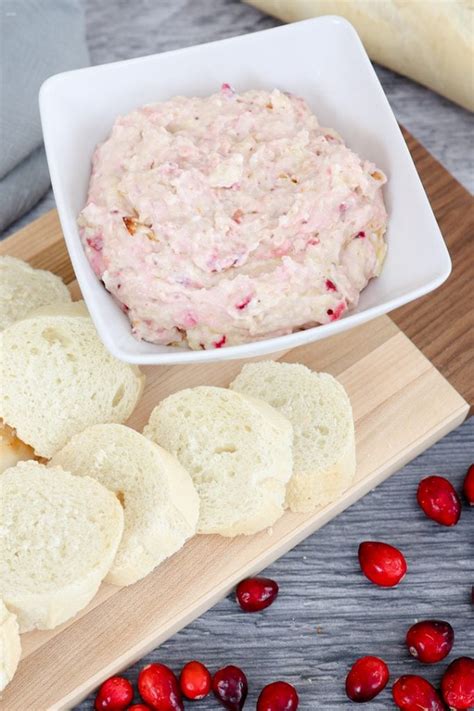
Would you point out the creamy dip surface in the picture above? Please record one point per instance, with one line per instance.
(227, 219)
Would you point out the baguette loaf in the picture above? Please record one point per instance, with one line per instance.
(59, 535)
(58, 378)
(237, 450)
(23, 289)
(321, 414)
(160, 503)
(430, 41)
(10, 647)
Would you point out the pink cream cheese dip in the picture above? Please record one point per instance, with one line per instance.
(227, 219)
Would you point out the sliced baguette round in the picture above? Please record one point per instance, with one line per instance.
(10, 646)
(320, 411)
(57, 378)
(59, 535)
(160, 503)
(237, 450)
(23, 289)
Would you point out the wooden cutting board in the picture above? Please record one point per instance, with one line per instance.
(402, 405)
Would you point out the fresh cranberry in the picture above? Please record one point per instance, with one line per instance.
(330, 285)
(195, 680)
(457, 684)
(138, 707)
(439, 500)
(115, 694)
(230, 687)
(255, 594)
(159, 688)
(221, 342)
(468, 486)
(278, 696)
(430, 641)
(381, 563)
(413, 693)
(367, 677)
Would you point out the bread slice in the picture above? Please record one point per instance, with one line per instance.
(10, 647)
(58, 378)
(58, 538)
(320, 411)
(160, 503)
(237, 450)
(12, 449)
(23, 289)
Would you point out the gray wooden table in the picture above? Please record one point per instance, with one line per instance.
(327, 614)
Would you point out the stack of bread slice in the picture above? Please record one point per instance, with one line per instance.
(108, 503)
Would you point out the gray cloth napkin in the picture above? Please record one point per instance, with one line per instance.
(38, 38)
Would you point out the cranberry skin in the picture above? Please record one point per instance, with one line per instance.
(255, 594)
(457, 684)
(381, 563)
(159, 688)
(138, 707)
(195, 681)
(230, 687)
(439, 501)
(278, 696)
(430, 641)
(366, 679)
(413, 693)
(114, 694)
(468, 486)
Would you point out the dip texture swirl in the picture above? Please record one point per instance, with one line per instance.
(227, 219)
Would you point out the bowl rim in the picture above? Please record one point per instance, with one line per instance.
(264, 346)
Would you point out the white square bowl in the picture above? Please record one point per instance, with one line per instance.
(322, 60)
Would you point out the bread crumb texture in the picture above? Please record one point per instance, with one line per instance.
(237, 451)
(58, 378)
(23, 289)
(59, 534)
(159, 501)
(320, 411)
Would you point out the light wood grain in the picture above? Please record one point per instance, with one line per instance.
(442, 323)
(401, 406)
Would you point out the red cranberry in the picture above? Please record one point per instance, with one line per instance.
(430, 641)
(195, 680)
(468, 486)
(367, 677)
(384, 565)
(230, 687)
(413, 693)
(278, 696)
(439, 500)
(255, 594)
(138, 707)
(457, 684)
(115, 694)
(159, 688)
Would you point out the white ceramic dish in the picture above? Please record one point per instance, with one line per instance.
(322, 60)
